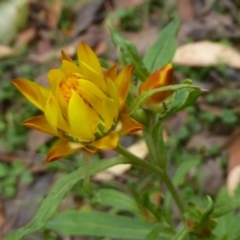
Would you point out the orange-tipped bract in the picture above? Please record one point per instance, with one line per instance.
(160, 78)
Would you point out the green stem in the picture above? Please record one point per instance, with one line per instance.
(151, 146)
(155, 169)
(86, 182)
(161, 151)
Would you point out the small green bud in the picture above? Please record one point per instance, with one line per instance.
(141, 116)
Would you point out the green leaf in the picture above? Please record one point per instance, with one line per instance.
(179, 178)
(52, 201)
(104, 63)
(181, 234)
(182, 99)
(100, 224)
(130, 55)
(190, 93)
(183, 169)
(226, 228)
(160, 145)
(117, 200)
(227, 206)
(162, 51)
(154, 234)
(4, 170)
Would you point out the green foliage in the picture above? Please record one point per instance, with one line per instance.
(182, 99)
(185, 95)
(13, 133)
(117, 200)
(103, 224)
(10, 175)
(163, 50)
(200, 220)
(130, 55)
(227, 216)
(54, 198)
(184, 168)
(130, 18)
(228, 117)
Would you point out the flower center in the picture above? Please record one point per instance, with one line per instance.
(66, 86)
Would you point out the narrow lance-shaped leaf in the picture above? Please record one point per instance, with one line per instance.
(182, 99)
(163, 50)
(225, 207)
(102, 224)
(130, 55)
(117, 200)
(52, 201)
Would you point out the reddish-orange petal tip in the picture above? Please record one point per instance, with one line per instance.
(61, 149)
(128, 125)
(65, 56)
(112, 72)
(39, 123)
(122, 83)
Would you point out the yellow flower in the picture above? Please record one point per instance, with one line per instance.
(160, 78)
(83, 106)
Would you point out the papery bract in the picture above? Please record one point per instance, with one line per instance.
(160, 78)
(83, 106)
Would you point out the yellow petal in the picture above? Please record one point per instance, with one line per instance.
(92, 94)
(113, 93)
(95, 120)
(51, 112)
(65, 56)
(54, 116)
(90, 66)
(122, 83)
(69, 68)
(55, 76)
(127, 125)
(34, 92)
(61, 149)
(108, 114)
(112, 72)
(39, 123)
(110, 141)
(80, 119)
(63, 105)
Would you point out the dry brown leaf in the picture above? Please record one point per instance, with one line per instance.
(139, 149)
(91, 37)
(213, 175)
(207, 53)
(2, 218)
(207, 140)
(25, 37)
(54, 11)
(86, 14)
(6, 51)
(215, 110)
(233, 178)
(186, 10)
(35, 140)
